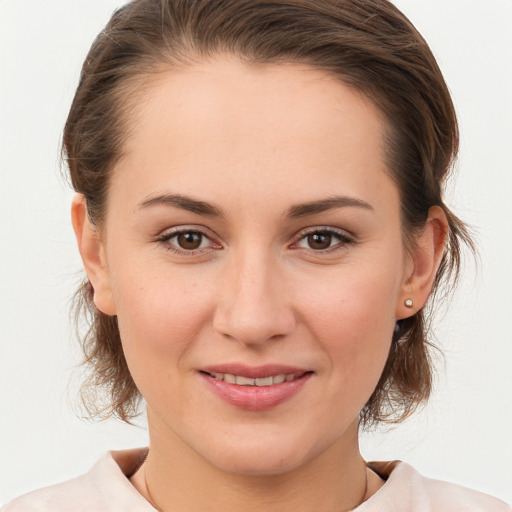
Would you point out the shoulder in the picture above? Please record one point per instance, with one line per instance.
(104, 487)
(407, 490)
(62, 496)
(455, 497)
(464, 497)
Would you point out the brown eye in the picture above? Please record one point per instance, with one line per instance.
(189, 240)
(319, 241)
(324, 240)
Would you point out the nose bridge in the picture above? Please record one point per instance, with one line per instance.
(253, 306)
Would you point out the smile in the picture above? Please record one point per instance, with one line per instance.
(255, 388)
(261, 381)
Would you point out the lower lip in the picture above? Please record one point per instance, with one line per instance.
(255, 398)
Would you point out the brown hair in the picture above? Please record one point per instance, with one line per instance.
(367, 44)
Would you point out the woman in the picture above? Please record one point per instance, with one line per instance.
(260, 216)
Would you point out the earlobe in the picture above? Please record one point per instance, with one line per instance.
(93, 255)
(424, 262)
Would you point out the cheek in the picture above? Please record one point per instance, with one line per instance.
(160, 316)
(352, 317)
(355, 303)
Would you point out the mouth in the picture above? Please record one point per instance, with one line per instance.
(242, 380)
(255, 388)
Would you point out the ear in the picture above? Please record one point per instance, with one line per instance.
(423, 263)
(92, 252)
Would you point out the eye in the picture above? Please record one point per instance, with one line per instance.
(323, 239)
(187, 241)
(319, 241)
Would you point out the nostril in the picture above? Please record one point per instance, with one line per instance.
(255, 325)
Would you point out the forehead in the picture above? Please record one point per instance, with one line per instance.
(279, 129)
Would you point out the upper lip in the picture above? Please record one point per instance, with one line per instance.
(254, 372)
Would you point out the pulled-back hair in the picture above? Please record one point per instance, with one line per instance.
(368, 45)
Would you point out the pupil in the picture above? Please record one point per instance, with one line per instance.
(319, 241)
(190, 240)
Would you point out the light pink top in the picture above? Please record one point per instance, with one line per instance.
(106, 488)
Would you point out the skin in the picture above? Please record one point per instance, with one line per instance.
(254, 142)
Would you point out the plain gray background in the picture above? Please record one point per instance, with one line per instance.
(465, 433)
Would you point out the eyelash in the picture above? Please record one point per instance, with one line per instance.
(343, 239)
(341, 236)
(174, 247)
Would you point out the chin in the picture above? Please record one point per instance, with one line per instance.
(264, 453)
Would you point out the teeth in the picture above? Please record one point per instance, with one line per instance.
(278, 379)
(267, 381)
(246, 381)
(229, 378)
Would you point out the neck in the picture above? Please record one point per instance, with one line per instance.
(174, 477)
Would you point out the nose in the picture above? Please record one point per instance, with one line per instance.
(253, 306)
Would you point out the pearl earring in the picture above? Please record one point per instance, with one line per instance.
(409, 303)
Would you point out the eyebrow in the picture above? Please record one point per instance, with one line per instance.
(296, 211)
(313, 207)
(183, 202)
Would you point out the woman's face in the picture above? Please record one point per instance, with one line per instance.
(253, 232)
